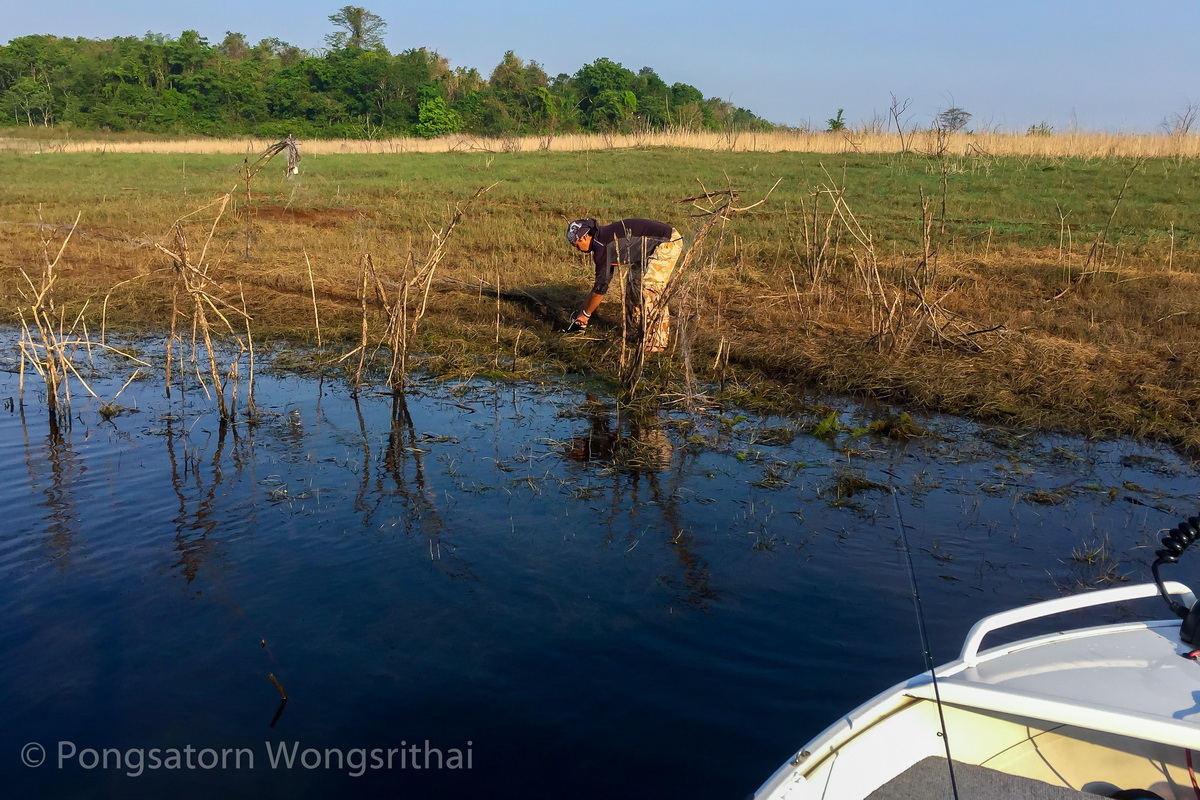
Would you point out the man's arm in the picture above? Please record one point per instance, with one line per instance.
(604, 259)
(589, 308)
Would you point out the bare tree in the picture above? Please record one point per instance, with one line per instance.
(361, 30)
(1180, 123)
(896, 111)
(875, 125)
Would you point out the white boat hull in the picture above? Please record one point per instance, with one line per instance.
(1116, 705)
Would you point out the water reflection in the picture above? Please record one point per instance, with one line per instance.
(579, 538)
(393, 491)
(643, 490)
(632, 440)
(402, 476)
(54, 469)
(196, 519)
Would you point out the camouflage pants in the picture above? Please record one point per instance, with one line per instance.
(647, 318)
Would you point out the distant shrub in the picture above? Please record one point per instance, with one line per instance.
(436, 118)
(952, 119)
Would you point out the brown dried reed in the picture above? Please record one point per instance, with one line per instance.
(404, 306)
(192, 279)
(51, 352)
(1082, 144)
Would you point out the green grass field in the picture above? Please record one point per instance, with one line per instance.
(1024, 202)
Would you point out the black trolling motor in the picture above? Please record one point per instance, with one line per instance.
(1174, 543)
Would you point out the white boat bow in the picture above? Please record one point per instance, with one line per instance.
(1105, 709)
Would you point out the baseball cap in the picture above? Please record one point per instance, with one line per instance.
(580, 228)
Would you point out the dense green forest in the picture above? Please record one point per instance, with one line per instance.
(353, 88)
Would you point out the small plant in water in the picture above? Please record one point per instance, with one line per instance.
(1050, 497)
(938, 553)
(763, 540)
(110, 411)
(898, 426)
(1097, 564)
(775, 436)
(828, 427)
(774, 476)
(852, 482)
(1092, 554)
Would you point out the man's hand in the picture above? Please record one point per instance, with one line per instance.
(580, 320)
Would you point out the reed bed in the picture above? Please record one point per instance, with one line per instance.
(1078, 144)
(209, 313)
(52, 343)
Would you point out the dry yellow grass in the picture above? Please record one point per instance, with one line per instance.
(1114, 354)
(1071, 144)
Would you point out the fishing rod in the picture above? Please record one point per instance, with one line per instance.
(916, 595)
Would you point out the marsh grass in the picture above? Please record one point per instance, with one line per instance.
(851, 278)
(901, 427)
(1096, 563)
(403, 300)
(209, 308)
(51, 345)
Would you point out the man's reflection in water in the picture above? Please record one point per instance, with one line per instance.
(639, 452)
(636, 442)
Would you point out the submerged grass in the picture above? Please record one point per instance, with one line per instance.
(1041, 290)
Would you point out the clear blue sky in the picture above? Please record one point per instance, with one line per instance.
(1117, 65)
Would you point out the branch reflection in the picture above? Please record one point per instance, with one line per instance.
(402, 474)
(54, 470)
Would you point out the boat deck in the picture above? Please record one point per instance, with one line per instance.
(930, 778)
(1129, 680)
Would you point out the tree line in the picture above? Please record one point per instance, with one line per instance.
(354, 88)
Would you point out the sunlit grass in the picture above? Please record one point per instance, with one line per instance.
(1072, 144)
(1052, 290)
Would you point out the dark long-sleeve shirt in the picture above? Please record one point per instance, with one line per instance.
(627, 242)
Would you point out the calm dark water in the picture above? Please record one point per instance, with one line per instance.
(508, 579)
